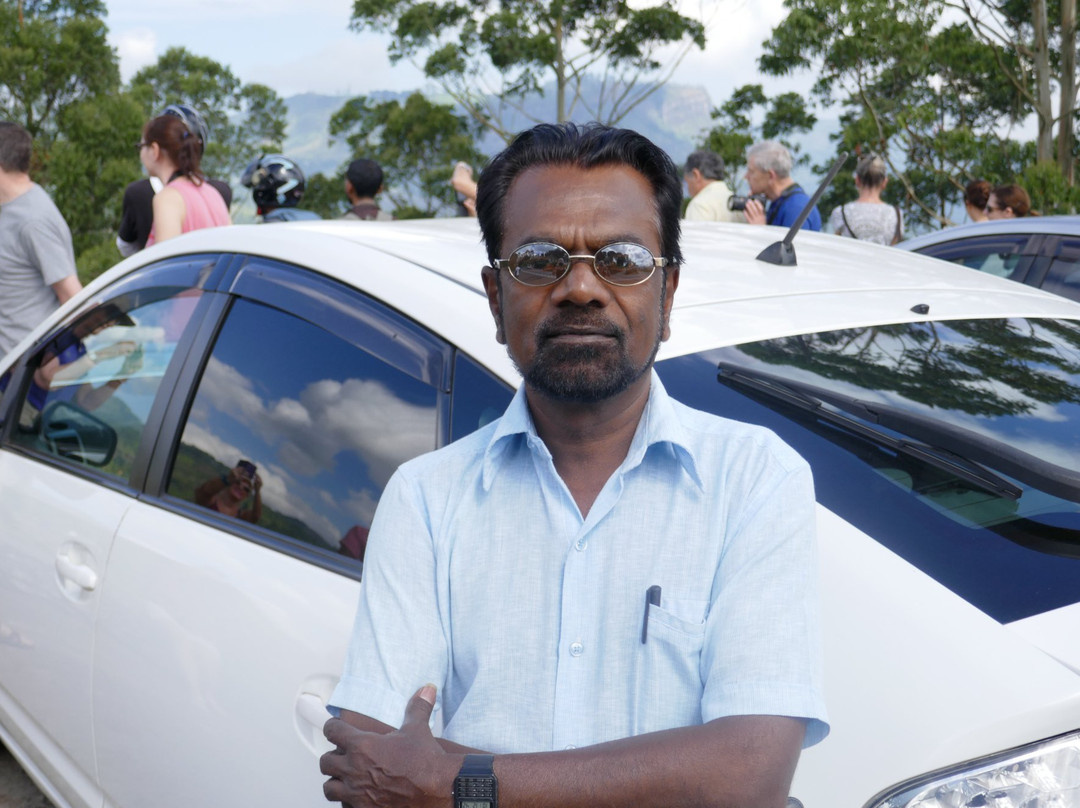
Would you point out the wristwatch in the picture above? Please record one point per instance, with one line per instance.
(475, 785)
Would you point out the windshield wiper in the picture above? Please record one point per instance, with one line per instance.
(969, 455)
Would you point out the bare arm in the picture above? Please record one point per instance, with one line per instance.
(66, 288)
(168, 214)
(736, 762)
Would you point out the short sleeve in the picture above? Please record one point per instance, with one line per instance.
(48, 244)
(398, 643)
(762, 652)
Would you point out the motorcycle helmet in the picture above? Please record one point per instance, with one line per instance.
(275, 181)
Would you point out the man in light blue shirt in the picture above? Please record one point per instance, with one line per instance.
(610, 592)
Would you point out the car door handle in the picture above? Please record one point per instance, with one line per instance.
(312, 710)
(79, 574)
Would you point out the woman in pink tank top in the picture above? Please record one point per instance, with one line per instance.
(170, 152)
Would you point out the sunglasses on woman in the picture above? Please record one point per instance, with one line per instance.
(542, 263)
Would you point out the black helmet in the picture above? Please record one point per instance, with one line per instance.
(192, 120)
(275, 181)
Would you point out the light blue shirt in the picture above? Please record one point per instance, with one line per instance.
(482, 577)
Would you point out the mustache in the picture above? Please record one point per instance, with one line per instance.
(579, 322)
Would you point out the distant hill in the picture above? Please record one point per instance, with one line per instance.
(674, 117)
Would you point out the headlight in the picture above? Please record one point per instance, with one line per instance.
(1041, 775)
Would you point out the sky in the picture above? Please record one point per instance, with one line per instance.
(296, 47)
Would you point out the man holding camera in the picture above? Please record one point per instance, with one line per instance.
(710, 195)
(768, 172)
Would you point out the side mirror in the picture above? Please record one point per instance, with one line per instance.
(71, 432)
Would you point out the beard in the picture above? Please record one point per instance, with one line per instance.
(584, 374)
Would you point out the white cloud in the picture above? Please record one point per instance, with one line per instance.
(136, 48)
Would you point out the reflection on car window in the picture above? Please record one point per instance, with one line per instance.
(1063, 277)
(93, 383)
(1011, 384)
(1001, 256)
(320, 424)
(479, 397)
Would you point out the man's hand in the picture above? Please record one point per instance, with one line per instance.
(755, 212)
(406, 767)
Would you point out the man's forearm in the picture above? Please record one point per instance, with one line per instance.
(742, 762)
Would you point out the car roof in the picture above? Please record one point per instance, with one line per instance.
(725, 295)
(1050, 225)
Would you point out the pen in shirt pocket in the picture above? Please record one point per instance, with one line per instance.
(652, 598)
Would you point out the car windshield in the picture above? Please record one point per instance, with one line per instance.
(955, 444)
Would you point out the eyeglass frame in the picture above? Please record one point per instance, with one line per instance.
(657, 263)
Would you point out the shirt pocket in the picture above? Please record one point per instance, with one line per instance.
(668, 686)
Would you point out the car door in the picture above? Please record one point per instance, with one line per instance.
(80, 415)
(222, 629)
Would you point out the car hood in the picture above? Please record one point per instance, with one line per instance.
(936, 681)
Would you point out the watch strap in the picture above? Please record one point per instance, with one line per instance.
(478, 766)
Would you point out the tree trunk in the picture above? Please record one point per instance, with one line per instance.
(1044, 107)
(1066, 137)
(560, 73)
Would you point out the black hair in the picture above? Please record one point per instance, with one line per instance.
(15, 147)
(709, 163)
(587, 146)
(365, 176)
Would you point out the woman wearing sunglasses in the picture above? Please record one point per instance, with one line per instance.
(170, 152)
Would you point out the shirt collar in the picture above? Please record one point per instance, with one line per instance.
(659, 424)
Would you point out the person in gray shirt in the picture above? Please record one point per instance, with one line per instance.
(37, 259)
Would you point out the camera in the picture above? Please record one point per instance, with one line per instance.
(736, 202)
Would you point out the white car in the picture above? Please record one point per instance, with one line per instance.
(156, 650)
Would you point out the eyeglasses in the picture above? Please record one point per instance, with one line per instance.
(542, 263)
(141, 145)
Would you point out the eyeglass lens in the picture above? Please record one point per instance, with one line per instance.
(540, 264)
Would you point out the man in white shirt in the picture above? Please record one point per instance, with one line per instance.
(704, 178)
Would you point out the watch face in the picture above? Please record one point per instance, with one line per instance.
(474, 804)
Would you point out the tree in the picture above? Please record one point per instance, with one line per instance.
(781, 117)
(245, 120)
(52, 53)
(416, 144)
(489, 55)
(1042, 55)
(90, 164)
(932, 95)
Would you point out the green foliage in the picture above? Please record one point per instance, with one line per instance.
(89, 166)
(1050, 192)
(416, 144)
(326, 196)
(55, 56)
(245, 120)
(928, 94)
(523, 45)
(781, 117)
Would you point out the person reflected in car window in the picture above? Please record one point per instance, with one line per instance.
(67, 361)
(602, 582)
(229, 493)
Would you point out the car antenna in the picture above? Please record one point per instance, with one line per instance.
(782, 253)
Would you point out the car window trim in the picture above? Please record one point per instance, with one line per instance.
(15, 396)
(265, 280)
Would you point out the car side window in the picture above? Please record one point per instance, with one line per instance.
(1002, 256)
(479, 397)
(92, 384)
(1063, 276)
(296, 430)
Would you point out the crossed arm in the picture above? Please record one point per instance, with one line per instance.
(739, 761)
